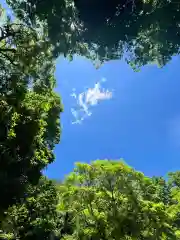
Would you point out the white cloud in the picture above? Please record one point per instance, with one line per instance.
(103, 79)
(73, 95)
(88, 98)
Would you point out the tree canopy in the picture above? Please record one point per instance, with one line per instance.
(102, 200)
(110, 200)
(142, 31)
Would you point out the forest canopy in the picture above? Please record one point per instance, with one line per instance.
(141, 31)
(102, 200)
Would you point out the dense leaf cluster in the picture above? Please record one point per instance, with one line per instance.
(110, 200)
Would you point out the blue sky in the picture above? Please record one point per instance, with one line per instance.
(139, 121)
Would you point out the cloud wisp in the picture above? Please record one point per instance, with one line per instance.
(85, 100)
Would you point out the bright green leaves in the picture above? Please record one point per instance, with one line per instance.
(14, 120)
(102, 200)
(110, 200)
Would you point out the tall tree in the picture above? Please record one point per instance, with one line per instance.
(110, 200)
(29, 109)
(103, 200)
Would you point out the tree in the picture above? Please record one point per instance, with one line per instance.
(30, 132)
(144, 31)
(36, 216)
(110, 200)
(174, 206)
(29, 109)
(101, 200)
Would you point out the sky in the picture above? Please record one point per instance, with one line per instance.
(114, 112)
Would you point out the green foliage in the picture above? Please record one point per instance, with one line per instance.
(104, 200)
(36, 216)
(59, 20)
(110, 200)
(142, 31)
(29, 109)
(101, 200)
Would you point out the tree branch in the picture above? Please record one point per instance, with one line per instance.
(8, 58)
(7, 50)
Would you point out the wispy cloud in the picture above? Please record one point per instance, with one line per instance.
(88, 98)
